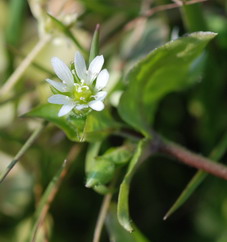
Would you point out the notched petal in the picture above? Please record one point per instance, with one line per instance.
(100, 96)
(81, 106)
(58, 85)
(65, 109)
(80, 66)
(95, 67)
(96, 105)
(60, 99)
(102, 79)
(62, 71)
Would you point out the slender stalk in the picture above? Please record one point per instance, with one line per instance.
(165, 7)
(159, 144)
(150, 12)
(192, 159)
(102, 214)
(51, 192)
(102, 217)
(13, 79)
(22, 151)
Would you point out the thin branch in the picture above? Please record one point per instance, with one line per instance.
(159, 144)
(51, 192)
(22, 151)
(13, 79)
(102, 214)
(192, 159)
(102, 217)
(152, 11)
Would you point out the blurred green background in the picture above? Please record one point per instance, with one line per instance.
(195, 117)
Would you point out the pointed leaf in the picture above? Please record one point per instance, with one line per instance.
(123, 208)
(50, 112)
(117, 233)
(94, 50)
(162, 71)
(117, 155)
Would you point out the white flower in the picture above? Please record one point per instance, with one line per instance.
(80, 89)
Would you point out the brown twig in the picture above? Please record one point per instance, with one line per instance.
(189, 158)
(51, 191)
(160, 8)
(154, 10)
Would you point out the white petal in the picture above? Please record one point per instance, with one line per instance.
(58, 85)
(60, 99)
(96, 105)
(62, 71)
(95, 67)
(65, 109)
(102, 79)
(100, 96)
(80, 66)
(81, 106)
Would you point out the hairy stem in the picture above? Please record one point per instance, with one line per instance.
(192, 159)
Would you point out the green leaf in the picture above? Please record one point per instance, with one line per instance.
(92, 153)
(101, 173)
(117, 155)
(100, 169)
(197, 179)
(50, 112)
(117, 233)
(162, 71)
(94, 50)
(92, 128)
(123, 209)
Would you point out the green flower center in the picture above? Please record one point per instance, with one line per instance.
(82, 94)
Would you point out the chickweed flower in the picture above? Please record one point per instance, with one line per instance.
(80, 89)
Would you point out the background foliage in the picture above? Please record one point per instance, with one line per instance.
(194, 116)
